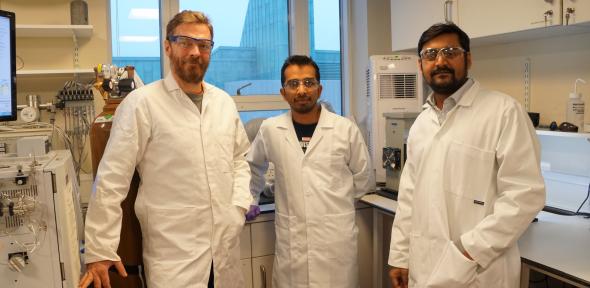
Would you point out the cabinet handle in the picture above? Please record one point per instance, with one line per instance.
(568, 13)
(448, 11)
(263, 276)
(548, 14)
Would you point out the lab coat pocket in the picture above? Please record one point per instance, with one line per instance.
(471, 171)
(340, 240)
(285, 231)
(453, 269)
(173, 233)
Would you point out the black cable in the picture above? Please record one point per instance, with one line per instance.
(582, 205)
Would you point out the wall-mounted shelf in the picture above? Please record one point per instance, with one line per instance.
(563, 134)
(55, 72)
(81, 31)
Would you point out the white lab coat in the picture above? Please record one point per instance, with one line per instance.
(193, 177)
(316, 233)
(472, 183)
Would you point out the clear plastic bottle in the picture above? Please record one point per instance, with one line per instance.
(575, 107)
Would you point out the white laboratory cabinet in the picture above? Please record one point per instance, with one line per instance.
(488, 22)
(409, 18)
(578, 11)
(485, 18)
(257, 246)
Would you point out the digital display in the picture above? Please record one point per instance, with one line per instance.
(7, 67)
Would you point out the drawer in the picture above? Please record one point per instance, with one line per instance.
(263, 238)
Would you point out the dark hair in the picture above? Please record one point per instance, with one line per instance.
(444, 28)
(188, 16)
(299, 60)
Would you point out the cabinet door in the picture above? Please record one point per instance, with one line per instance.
(245, 250)
(364, 222)
(576, 12)
(247, 271)
(479, 18)
(262, 271)
(409, 18)
(263, 238)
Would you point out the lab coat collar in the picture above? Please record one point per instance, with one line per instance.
(467, 93)
(460, 95)
(172, 86)
(170, 83)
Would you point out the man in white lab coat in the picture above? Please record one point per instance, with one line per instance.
(186, 140)
(322, 166)
(471, 184)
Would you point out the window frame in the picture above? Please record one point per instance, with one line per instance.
(298, 44)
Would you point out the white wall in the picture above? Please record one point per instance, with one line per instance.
(555, 64)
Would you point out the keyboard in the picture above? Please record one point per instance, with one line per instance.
(558, 211)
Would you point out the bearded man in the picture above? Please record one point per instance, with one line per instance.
(186, 140)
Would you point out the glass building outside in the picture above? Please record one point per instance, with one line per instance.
(253, 62)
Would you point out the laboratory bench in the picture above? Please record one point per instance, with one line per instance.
(558, 246)
(555, 245)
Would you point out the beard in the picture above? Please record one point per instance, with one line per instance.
(190, 69)
(303, 108)
(447, 87)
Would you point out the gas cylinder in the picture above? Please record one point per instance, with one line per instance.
(130, 248)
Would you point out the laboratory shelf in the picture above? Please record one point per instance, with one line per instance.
(80, 31)
(55, 72)
(563, 134)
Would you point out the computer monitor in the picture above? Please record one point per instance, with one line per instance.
(7, 66)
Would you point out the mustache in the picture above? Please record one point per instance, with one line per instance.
(302, 98)
(192, 61)
(442, 70)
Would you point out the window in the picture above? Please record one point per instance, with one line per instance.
(252, 39)
(324, 40)
(135, 27)
(251, 43)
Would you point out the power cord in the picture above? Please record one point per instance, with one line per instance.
(585, 214)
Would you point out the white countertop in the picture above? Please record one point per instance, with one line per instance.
(559, 244)
(378, 201)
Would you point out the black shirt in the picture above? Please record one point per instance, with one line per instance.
(304, 133)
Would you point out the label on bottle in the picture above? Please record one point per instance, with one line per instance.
(578, 108)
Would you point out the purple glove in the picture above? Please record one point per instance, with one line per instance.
(253, 212)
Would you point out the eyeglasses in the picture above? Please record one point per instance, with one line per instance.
(186, 42)
(293, 84)
(430, 54)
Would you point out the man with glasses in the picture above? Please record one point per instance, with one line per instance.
(322, 166)
(472, 181)
(186, 140)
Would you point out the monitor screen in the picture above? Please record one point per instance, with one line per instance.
(7, 67)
